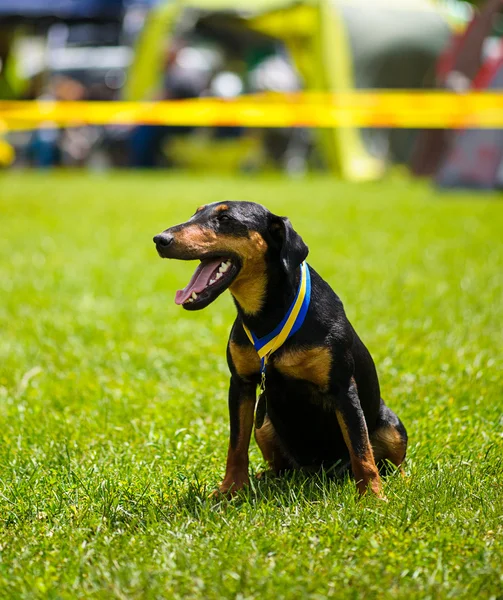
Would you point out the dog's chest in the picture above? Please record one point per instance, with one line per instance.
(306, 364)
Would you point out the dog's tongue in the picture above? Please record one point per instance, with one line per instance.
(199, 280)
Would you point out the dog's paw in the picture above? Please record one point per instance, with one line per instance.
(380, 496)
(215, 495)
(230, 487)
(372, 486)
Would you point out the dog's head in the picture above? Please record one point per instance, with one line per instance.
(236, 242)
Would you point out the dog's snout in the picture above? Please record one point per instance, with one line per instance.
(163, 239)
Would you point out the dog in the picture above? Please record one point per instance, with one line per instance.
(320, 405)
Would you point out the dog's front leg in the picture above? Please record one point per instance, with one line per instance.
(354, 430)
(242, 396)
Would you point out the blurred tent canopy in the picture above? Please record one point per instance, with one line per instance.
(336, 46)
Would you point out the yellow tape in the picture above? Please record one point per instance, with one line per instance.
(409, 109)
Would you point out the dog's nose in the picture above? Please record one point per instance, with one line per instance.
(163, 239)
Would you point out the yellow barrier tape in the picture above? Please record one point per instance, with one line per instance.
(401, 109)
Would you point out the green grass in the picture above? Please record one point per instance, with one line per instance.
(113, 400)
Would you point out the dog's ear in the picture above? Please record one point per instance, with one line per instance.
(293, 251)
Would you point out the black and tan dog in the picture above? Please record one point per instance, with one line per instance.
(323, 400)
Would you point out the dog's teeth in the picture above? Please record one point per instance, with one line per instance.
(219, 275)
(228, 263)
(191, 299)
(212, 281)
(223, 267)
(194, 296)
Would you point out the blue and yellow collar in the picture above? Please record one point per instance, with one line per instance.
(291, 323)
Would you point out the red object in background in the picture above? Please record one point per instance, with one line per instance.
(460, 68)
(474, 158)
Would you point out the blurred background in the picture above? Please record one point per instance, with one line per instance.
(183, 49)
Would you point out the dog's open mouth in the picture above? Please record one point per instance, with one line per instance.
(210, 279)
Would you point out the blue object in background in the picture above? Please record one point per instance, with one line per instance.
(63, 9)
(44, 149)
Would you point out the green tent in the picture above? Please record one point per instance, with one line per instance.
(336, 46)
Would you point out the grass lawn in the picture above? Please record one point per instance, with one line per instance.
(113, 403)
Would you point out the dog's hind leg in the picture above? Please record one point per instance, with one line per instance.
(268, 443)
(389, 439)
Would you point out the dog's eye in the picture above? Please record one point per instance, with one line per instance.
(224, 217)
